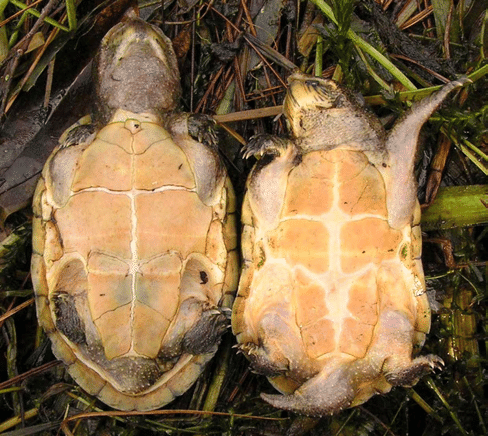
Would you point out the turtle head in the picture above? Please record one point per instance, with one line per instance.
(136, 70)
(321, 110)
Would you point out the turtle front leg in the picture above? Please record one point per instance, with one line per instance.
(195, 135)
(81, 133)
(201, 128)
(267, 181)
(262, 144)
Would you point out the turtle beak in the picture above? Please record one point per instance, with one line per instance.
(297, 76)
(308, 92)
(135, 37)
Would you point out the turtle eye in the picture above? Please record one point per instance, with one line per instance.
(312, 83)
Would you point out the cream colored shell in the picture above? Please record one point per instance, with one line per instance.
(133, 234)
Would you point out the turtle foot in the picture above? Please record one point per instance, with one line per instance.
(260, 362)
(262, 144)
(419, 367)
(202, 128)
(204, 337)
(78, 135)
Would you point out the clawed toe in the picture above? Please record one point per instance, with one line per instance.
(226, 312)
(248, 348)
(202, 128)
(435, 362)
(262, 144)
(83, 134)
(260, 361)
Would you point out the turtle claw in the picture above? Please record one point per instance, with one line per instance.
(260, 361)
(264, 143)
(419, 367)
(205, 336)
(436, 363)
(227, 313)
(202, 128)
(78, 135)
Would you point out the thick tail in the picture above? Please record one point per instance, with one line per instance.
(325, 394)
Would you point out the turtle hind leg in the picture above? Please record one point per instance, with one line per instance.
(279, 349)
(69, 301)
(262, 144)
(394, 346)
(410, 375)
(196, 330)
(260, 360)
(204, 337)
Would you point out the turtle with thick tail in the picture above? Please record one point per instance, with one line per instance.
(331, 304)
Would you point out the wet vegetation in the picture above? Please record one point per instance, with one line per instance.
(235, 57)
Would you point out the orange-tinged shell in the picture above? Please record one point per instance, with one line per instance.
(125, 246)
(329, 265)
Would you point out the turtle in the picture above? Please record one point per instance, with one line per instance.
(331, 303)
(135, 258)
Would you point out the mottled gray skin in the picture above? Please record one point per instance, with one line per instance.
(136, 74)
